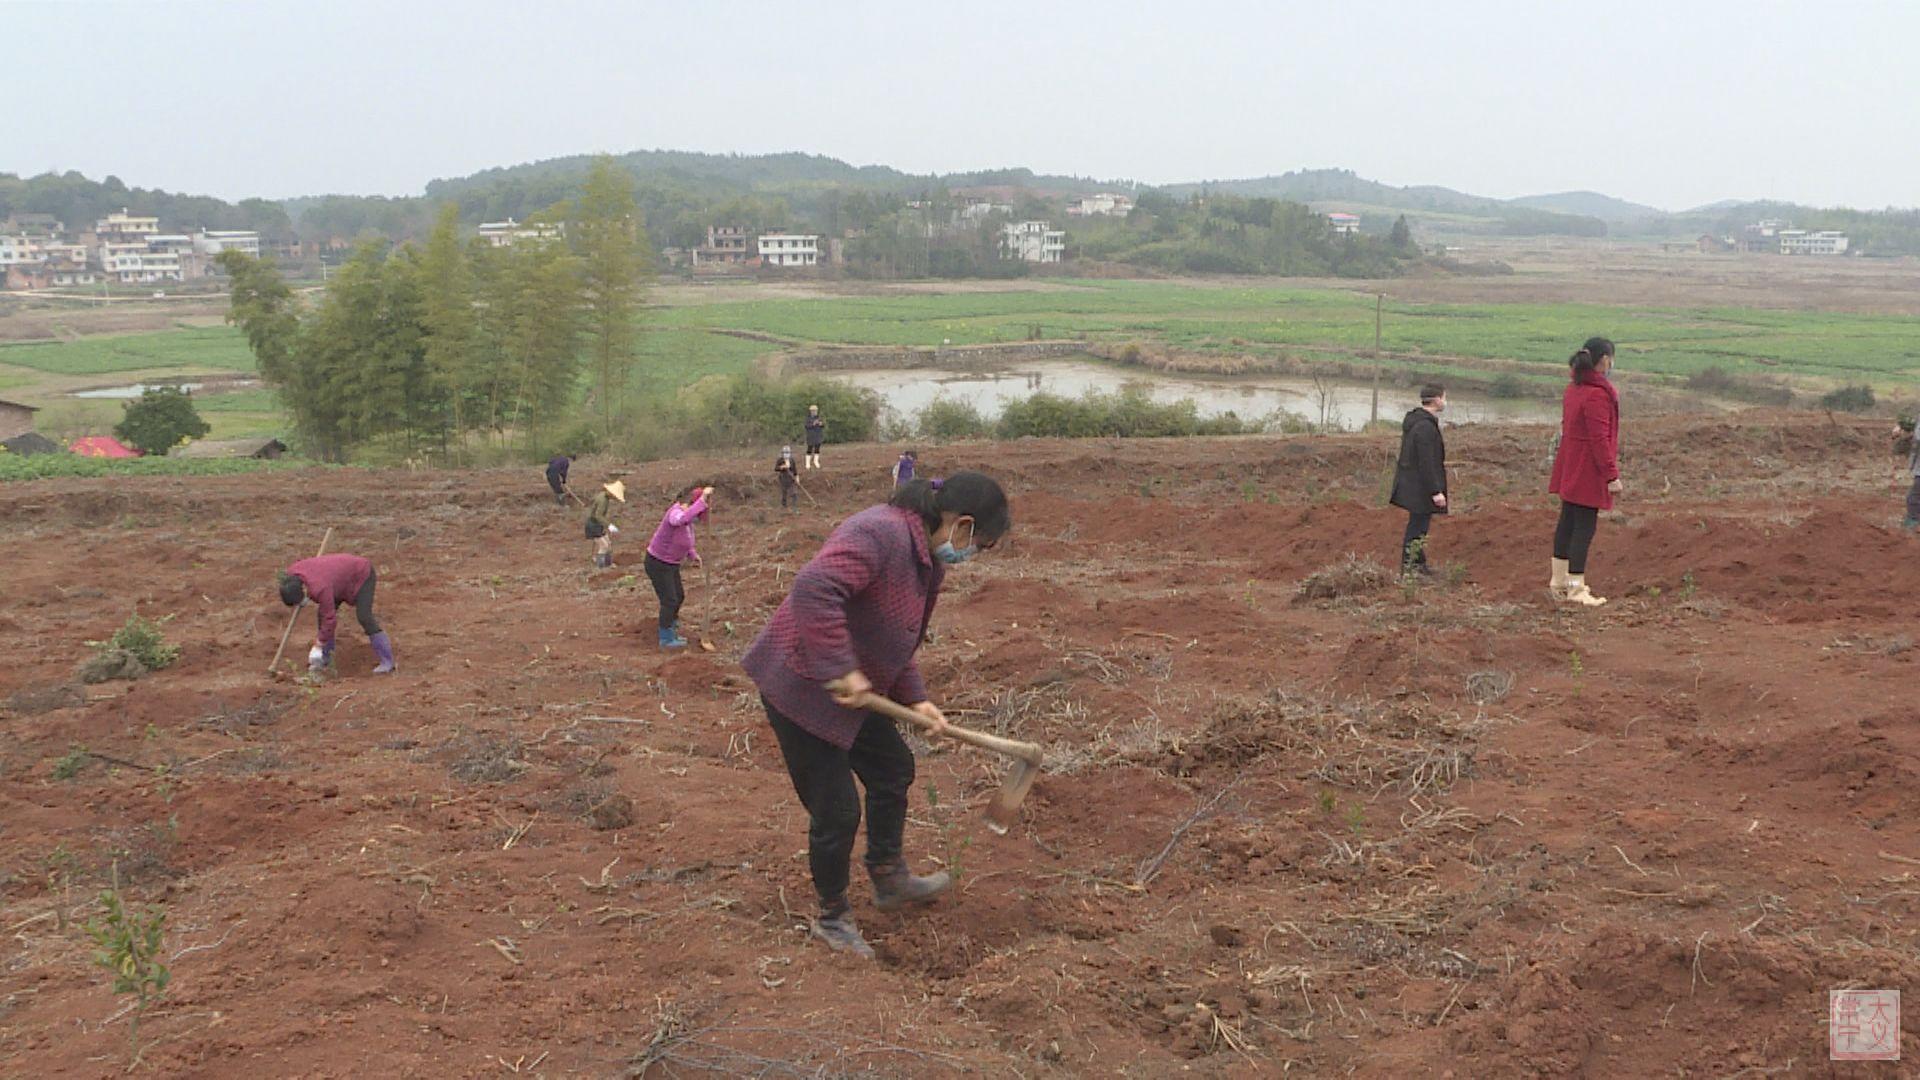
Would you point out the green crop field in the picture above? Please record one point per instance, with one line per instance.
(50, 466)
(194, 348)
(1231, 319)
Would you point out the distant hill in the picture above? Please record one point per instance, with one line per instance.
(1323, 185)
(1591, 204)
(746, 173)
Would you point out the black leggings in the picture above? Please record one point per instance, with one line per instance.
(363, 606)
(1574, 535)
(1413, 548)
(823, 776)
(666, 585)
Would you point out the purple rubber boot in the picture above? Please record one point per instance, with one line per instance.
(383, 648)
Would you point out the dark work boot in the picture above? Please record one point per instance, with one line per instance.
(835, 927)
(895, 888)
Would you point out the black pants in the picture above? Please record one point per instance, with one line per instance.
(823, 776)
(787, 493)
(1574, 535)
(363, 606)
(1913, 501)
(1413, 546)
(813, 448)
(666, 585)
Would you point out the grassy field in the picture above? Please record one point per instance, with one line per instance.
(220, 348)
(1236, 319)
(678, 347)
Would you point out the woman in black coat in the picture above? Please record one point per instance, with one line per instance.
(1420, 477)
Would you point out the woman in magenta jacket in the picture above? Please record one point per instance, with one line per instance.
(1586, 468)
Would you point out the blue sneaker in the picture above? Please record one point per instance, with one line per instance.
(670, 639)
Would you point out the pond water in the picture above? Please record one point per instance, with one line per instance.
(134, 390)
(906, 392)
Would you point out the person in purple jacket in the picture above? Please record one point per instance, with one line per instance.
(850, 627)
(329, 581)
(672, 544)
(903, 468)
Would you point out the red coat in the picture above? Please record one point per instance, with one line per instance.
(1589, 455)
(331, 580)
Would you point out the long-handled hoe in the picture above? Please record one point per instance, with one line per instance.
(297, 609)
(1005, 809)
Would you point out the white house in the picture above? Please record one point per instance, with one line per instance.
(790, 249)
(1104, 204)
(1802, 242)
(509, 232)
(1032, 241)
(211, 242)
(134, 263)
(121, 225)
(1344, 224)
(18, 249)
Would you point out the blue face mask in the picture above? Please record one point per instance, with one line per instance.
(953, 556)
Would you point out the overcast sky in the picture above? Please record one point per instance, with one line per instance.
(1674, 104)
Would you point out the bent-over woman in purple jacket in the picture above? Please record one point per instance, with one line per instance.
(850, 627)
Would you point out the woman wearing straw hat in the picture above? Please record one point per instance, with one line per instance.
(600, 527)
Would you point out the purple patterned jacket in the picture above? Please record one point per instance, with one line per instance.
(862, 604)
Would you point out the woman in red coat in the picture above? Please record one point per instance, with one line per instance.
(1586, 468)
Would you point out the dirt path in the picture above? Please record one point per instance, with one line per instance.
(1385, 834)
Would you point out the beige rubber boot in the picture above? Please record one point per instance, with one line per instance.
(1557, 588)
(1578, 593)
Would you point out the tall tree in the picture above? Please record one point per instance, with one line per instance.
(607, 233)
(447, 317)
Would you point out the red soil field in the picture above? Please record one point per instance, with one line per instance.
(1438, 830)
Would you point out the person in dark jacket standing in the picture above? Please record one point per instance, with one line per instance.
(1420, 477)
(851, 626)
(816, 435)
(1586, 468)
(557, 477)
(783, 471)
(1907, 444)
(903, 468)
(329, 581)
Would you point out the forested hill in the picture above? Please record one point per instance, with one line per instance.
(78, 202)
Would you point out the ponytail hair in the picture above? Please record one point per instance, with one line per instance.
(971, 494)
(1587, 360)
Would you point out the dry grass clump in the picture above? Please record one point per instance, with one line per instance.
(1354, 575)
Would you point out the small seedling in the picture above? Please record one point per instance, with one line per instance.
(1356, 819)
(142, 638)
(1687, 587)
(1328, 804)
(1577, 669)
(60, 865)
(68, 766)
(130, 943)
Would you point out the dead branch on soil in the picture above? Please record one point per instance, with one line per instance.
(678, 1041)
(1151, 868)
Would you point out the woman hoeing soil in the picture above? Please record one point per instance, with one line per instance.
(850, 626)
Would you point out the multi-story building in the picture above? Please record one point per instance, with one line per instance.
(45, 226)
(1104, 204)
(1032, 241)
(17, 249)
(122, 227)
(726, 245)
(211, 242)
(510, 232)
(790, 249)
(1344, 224)
(1802, 242)
(134, 263)
(1762, 237)
(60, 253)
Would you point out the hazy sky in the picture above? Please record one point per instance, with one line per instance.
(1675, 103)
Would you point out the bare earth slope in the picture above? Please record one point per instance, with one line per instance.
(1391, 834)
